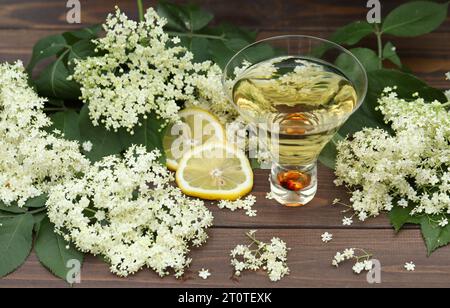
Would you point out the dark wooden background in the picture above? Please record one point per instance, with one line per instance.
(22, 23)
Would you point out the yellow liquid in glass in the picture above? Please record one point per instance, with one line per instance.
(305, 100)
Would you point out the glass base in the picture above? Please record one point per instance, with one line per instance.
(293, 186)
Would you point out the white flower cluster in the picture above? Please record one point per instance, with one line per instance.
(140, 70)
(31, 160)
(410, 168)
(271, 257)
(127, 211)
(363, 262)
(240, 204)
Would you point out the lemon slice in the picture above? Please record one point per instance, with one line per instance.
(197, 127)
(215, 171)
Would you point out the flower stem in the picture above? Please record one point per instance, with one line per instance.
(38, 210)
(378, 34)
(140, 10)
(191, 35)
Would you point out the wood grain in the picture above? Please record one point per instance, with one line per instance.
(309, 261)
(319, 213)
(23, 23)
(257, 14)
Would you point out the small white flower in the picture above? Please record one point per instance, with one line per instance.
(403, 203)
(443, 222)
(447, 94)
(327, 237)
(336, 201)
(204, 274)
(87, 146)
(176, 40)
(100, 215)
(347, 221)
(410, 266)
(359, 267)
(368, 265)
(349, 253)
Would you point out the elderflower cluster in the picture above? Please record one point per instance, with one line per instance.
(139, 70)
(363, 262)
(127, 211)
(31, 160)
(409, 168)
(271, 257)
(240, 204)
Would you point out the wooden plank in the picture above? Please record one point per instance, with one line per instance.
(319, 213)
(309, 261)
(258, 14)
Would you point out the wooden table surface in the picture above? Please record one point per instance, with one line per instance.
(23, 22)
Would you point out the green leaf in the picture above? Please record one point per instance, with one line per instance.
(223, 51)
(198, 46)
(88, 33)
(190, 24)
(229, 31)
(328, 155)
(104, 142)
(367, 57)
(52, 252)
(38, 218)
(16, 238)
(434, 235)
(415, 18)
(184, 17)
(197, 18)
(55, 102)
(150, 135)
(81, 50)
(400, 216)
(53, 81)
(176, 18)
(353, 33)
(390, 53)
(37, 202)
(45, 48)
(66, 122)
(13, 208)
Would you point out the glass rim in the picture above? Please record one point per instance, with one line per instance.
(300, 36)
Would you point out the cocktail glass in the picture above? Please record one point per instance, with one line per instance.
(295, 136)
